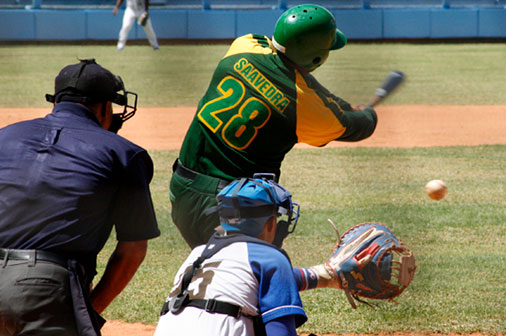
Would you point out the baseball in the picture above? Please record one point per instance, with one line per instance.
(436, 189)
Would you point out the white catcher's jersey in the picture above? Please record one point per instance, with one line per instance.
(256, 277)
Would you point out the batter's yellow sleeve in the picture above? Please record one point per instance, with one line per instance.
(317, 115)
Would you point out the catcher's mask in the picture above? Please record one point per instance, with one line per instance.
(87, 82)
(246, 204)
(306, 34)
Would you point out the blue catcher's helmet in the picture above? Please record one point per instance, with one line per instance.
(246, 204)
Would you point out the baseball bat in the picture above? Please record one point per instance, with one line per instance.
(389, 85)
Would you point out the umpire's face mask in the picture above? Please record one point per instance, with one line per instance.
(129, 101)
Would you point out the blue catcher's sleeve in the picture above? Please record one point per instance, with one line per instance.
(278, 293)
(283, 326)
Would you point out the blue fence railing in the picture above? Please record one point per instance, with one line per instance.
(374, 20)
(255, 4)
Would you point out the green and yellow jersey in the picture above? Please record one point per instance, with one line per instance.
(257, 108)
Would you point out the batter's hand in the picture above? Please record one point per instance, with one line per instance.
(360, 107)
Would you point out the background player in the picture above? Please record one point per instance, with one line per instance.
(245, 282)
(135, 9)
(65, 181)
(261, 101)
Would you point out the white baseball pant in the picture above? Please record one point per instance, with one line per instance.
(129, 18)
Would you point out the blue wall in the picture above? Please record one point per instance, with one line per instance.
(100, 24)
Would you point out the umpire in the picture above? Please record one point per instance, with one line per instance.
(65, 181)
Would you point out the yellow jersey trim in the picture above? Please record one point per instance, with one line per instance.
(249, 44)
(317, 124)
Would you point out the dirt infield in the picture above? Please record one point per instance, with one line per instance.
(118, 328)
(398, 126)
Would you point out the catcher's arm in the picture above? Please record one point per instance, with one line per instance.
(319, 276)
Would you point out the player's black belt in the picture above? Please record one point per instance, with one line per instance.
(32, 256)
(212, 306)
(191, 175)
(215, 306)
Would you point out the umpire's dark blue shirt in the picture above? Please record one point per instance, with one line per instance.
(65, 181)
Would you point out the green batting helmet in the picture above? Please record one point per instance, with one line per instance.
(306, 34)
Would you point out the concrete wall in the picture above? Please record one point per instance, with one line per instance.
(100, 24)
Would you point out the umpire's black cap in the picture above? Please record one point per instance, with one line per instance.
(87, 82)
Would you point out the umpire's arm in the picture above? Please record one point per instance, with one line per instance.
(121, 267)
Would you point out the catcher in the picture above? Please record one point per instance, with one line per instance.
(242, 282)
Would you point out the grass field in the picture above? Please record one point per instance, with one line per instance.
(177, 75)
(459, 243)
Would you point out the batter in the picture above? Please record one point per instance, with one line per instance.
(261, 101)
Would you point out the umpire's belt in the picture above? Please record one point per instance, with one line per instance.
(191, 174)
(32, 256)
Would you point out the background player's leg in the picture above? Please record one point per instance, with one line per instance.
(128, 22)
(150, 33)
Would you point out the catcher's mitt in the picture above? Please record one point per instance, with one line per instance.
(143, 18)
(370, 262)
